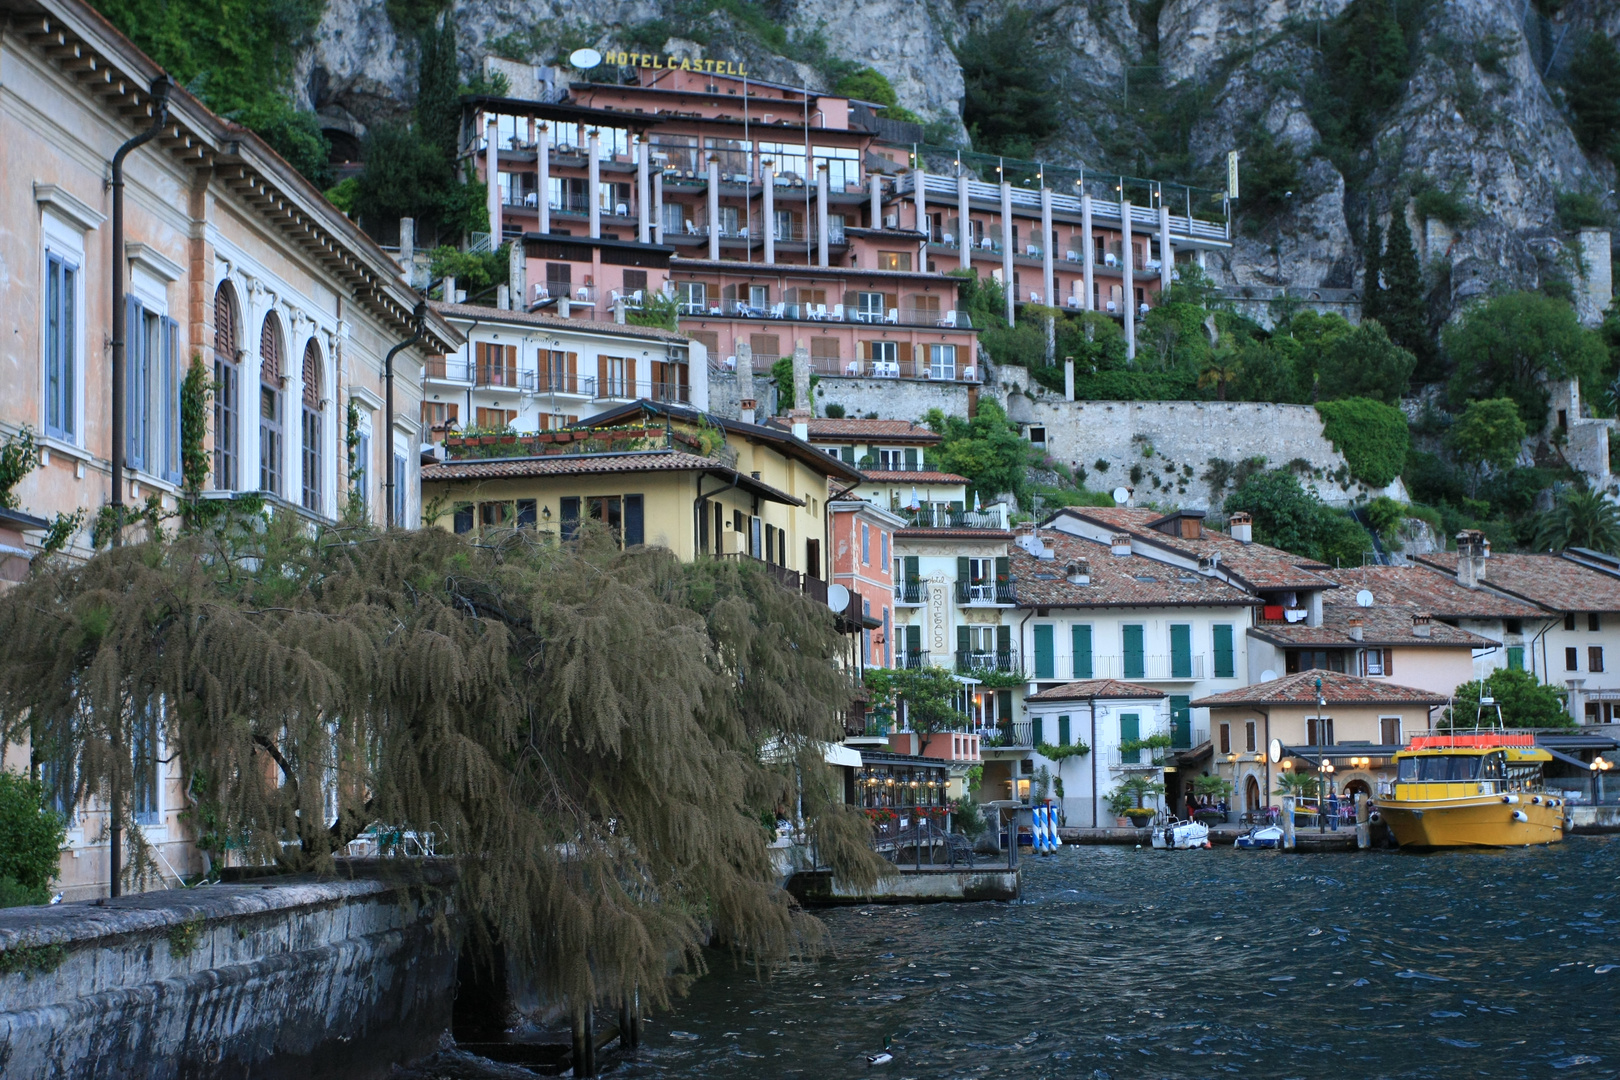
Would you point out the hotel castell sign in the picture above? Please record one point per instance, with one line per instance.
(662, 62)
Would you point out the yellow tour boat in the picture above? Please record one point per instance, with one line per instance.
(1481, 789)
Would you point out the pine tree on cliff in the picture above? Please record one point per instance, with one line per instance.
(1372, 289)
(1402, 303)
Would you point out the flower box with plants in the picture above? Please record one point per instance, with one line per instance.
(1126, 800)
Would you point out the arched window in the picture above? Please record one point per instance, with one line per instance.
(227, 388)
(271, 408)
(312, 426)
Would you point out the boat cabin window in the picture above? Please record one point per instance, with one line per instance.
(1445, 767)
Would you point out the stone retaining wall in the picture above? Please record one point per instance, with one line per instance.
(291, 977)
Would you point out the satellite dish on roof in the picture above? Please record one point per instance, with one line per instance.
(1268, 675)
(1122, 496)
(838, 597)
(584, 59)
(1364, 598)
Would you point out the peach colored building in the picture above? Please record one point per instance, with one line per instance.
(229, 257)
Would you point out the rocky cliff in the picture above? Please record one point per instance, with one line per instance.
(1162, 89)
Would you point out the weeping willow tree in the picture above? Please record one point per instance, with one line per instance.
(597, 737)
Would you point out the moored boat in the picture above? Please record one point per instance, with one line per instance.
(1260, 837)
(1475, 789)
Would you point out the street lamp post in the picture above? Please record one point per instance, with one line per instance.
(1599, 766)
(1324, 782)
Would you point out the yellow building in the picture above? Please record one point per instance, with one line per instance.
(655, 474)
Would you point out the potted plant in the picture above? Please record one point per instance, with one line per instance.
(1119, 801)
(1211, 787)
(1302, 786)
(1135, 789)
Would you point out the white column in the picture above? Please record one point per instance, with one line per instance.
(492, 181)
(875, 182)
(1047, 278)
(643, 224)
(714, 207)
(821, 215)
(964, 234)
(919, 177)
(542, 165)
(593, 183)
(658, 206)
(1129, 285)
(1087, 255)
(1007, 249)
(767, 172)
(1166, 257)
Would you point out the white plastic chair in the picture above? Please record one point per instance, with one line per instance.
(985, 243)
(838, 313)
(1112, 307)
(894, 315)
(1073, 256)
(949, 319)
(1074, 301)
(947, 238)
(1034, 297)
(1109, 260)
(621, 210)
(968, 374)
(691, 229)
(777, 309)
(852, 368)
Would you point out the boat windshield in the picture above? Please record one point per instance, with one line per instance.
(1442, 768)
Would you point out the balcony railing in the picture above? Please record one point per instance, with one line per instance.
(945, 517)
(675, 393)
(912, 660)
(503, 376)
(1128, 760)
(908, 592)
(449, 369)
(1007, 735)
(1144, 668)
(988, 661)
(985, 592)
(577, 385)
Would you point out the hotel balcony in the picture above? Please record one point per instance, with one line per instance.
(564, 385)
(501, 377)
(985, 594)
(945, 517)
(908, 594)
(970, 661)
(1007, 735)
(1136, 760)
(1184, 668)
(448, 369)
(912, 660)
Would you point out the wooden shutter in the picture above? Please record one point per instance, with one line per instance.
(1180, 721)
(1180, 651)
(1044, 666)
(1004, 709)
(964, 574)
(964, 646)
(1130, 730)
(1081, 636)
(1063, 731)
(1224, 661)
(635, 532)
(1004, 639)
(911, 568)
(1389, 662)
(904, 353)
(630, 389)
(911, 457)
(1226, 738)
(913, 639)
(171, 401)
(601, 376)
(1134, 664)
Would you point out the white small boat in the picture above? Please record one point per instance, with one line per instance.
(1181, 836)
(1263, 836)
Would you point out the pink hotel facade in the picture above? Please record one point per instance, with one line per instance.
(778, 215)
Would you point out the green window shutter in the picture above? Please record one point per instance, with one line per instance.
(1135, 666)
(964, 570)
(1180, 651)
(1225, 666)
(1063, 731)
(1180, 722)
(1515, 658)
(1003, 569)
(1003, 639)
(1004, 705)
(1130, 729)
(911, 457)
(913, 639)
(963, 646)
(849, 455)
(911, 568)
(957, 505)
(1082, 651)
(1044, 667)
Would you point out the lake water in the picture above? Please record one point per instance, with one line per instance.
(1134, 963)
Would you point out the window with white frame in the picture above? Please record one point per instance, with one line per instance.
(272, 409)
(61, 330)
(942, 361)
(151, 390)
(227, 389)
(693, 297)
(310, 426)
(981, 579)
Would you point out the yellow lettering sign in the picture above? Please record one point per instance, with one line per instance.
(667, 62)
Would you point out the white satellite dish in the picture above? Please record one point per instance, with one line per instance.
(1364, 598)
(1122, 496)
(584, 59)
(838, 597)
(1268, 675)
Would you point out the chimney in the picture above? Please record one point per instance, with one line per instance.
(517, 274)
(1068, 378)
(563, 307)
(1420, 624)
(1120, 544)
(803, 407)
(746, 403)
(1355, 623)
(449, 290)
(1472, 551)
(1241, 527)
(1078, 572)
(503, 298)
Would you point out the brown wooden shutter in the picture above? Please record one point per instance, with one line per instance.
(630, 377)
(601, 376)
(905, 358)
(1389, 662)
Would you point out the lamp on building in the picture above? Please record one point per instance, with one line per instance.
(1324, 784)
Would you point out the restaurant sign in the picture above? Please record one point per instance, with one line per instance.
(662, 62)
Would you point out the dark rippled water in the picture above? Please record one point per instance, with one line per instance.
(1122, 963)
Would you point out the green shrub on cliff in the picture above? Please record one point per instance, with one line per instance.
(1372, 437)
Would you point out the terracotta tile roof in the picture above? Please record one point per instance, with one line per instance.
(1424, 588)
(913, 476)
(595, 465)
(1337, 689)
(855, 428)
(954, 534)
(1256, 566)
(1381, 625)
(1116, 581)
(1549, 580)
(1086, 689)
(487, 315)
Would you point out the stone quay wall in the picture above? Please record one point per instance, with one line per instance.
(285, 977)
